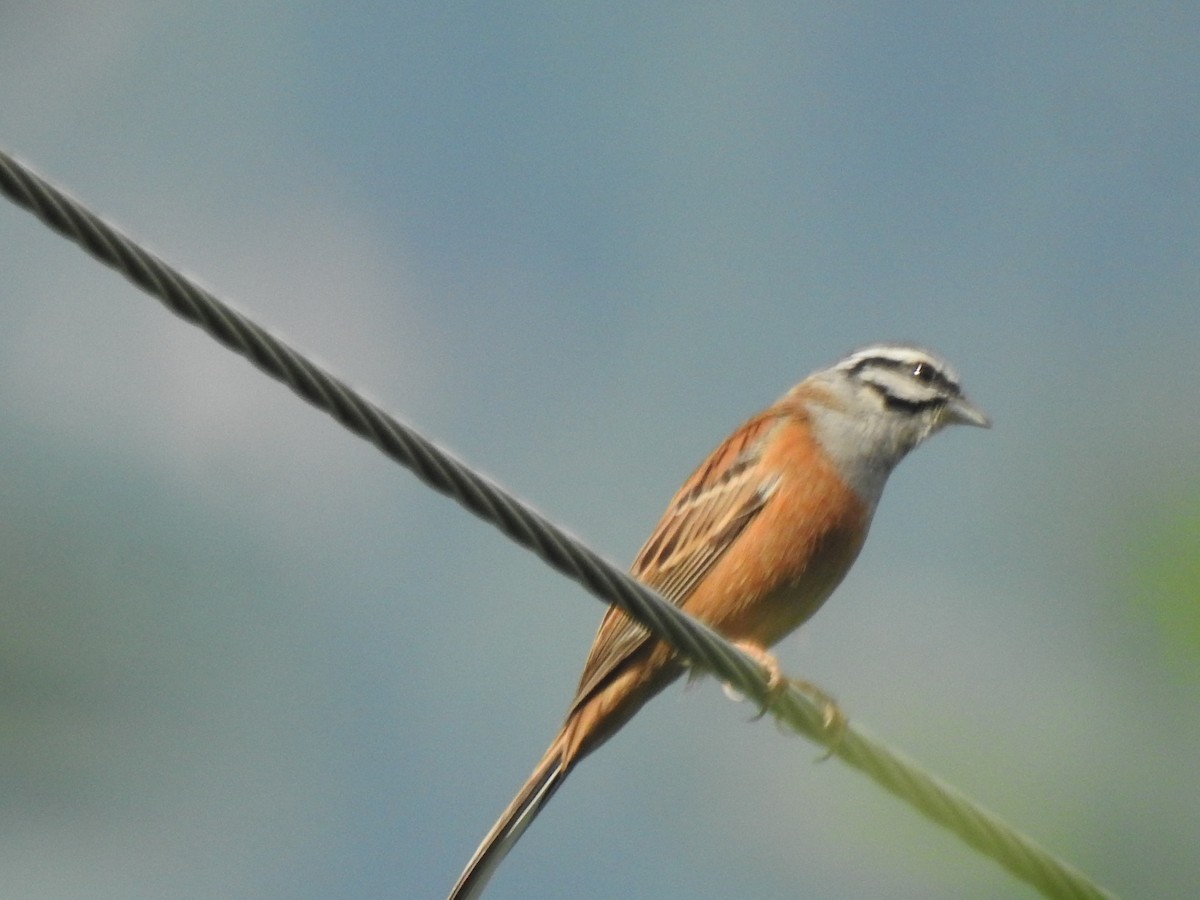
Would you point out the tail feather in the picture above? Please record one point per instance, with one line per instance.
(512, 823)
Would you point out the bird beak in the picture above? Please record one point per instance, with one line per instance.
(961, 411)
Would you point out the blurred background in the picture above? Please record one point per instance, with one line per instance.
(243, 655)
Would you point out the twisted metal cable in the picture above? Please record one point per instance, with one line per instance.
(440, 471)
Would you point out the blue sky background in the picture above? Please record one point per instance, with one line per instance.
(245, 656)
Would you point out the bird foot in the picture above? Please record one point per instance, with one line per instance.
(833, 720)
(776, 681)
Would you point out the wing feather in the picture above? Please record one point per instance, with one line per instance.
(702, 522)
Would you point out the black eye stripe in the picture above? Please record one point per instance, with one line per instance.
(891, 401)
(920, 370)
(930, 374)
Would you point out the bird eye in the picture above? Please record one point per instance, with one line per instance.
(924, 373)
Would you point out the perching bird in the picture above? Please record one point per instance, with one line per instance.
(754, 542)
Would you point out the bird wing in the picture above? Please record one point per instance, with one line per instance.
(713, 507)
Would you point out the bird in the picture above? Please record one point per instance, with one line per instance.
(752, 544)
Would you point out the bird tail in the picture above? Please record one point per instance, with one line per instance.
(534, 794)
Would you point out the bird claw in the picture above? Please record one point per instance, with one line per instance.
(777, 682)
(833, 721)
